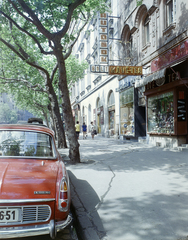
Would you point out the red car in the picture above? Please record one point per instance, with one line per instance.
(34, 184)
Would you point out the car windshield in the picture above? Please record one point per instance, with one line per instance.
(26, 144)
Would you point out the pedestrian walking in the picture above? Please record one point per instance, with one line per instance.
(84, 129)
(93, 130)
(77, 128)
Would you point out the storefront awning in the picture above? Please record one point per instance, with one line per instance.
(156, 75)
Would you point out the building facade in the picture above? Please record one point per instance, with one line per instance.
(153, 35)
(94, 98)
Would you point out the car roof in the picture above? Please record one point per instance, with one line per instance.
(27, 127)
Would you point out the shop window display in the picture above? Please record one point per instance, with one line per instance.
(111, 119)
(127, 112)
(161, 114)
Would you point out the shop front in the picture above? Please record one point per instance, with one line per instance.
(132, 116)
(100, 118)
(111, 114)
(167, 97)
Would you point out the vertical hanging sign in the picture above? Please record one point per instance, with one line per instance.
(103, 39)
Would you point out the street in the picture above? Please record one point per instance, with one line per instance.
(129, 190)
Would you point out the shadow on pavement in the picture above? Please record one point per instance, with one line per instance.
(84, 201)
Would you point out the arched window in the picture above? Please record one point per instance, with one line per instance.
(146, 37)
(127, 44)
(98, 103)
(111, 99)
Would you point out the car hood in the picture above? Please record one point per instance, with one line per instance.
(28, 179)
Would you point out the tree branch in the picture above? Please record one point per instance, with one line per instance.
(25, 82)
(53, 72)
(75, 40)
(26, 32)
(33, 64)
(34, 18)
(72, 7)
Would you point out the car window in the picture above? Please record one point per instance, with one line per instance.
(26, 143)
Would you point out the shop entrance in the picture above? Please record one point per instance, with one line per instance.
(111, 113)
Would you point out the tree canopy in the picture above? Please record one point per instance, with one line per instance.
(42, 35)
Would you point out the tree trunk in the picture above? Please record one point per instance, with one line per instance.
(57, 118)
(46, 118)
(74, 153)
(52, 122)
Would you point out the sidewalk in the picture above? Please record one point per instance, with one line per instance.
(129, 191)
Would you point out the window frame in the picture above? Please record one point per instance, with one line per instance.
(146, 30)
(170, 14)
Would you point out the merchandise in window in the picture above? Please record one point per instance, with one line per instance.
(127, 112)
(111, 119)
(161, 114)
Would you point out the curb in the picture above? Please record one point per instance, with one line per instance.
(83, 223)
(84, 226)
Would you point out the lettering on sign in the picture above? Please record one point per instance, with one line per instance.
(103, 45)
(99, 68)
(103, 52)
(103, 15)
(181, 106)
(173, 77)
(103, 30)
(103, 60)
(125, 70)
(103, 37)
(103, 23)
(169, 78)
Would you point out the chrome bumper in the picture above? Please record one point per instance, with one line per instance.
(26, 231)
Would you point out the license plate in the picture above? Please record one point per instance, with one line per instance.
(9, 215)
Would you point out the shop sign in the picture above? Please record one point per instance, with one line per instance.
(99, 68)
(181, 110)
(125, 70)
(103, 45)
(126, 82)
(171, 56)
(181, 106)
(171, 78)
(103, 38)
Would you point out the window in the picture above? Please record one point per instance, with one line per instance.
(161, 113)
(170, 12)
(25, 144)
(146, 30)
(111, 100)
(129, 49)
(131, 42)
(98, 102)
